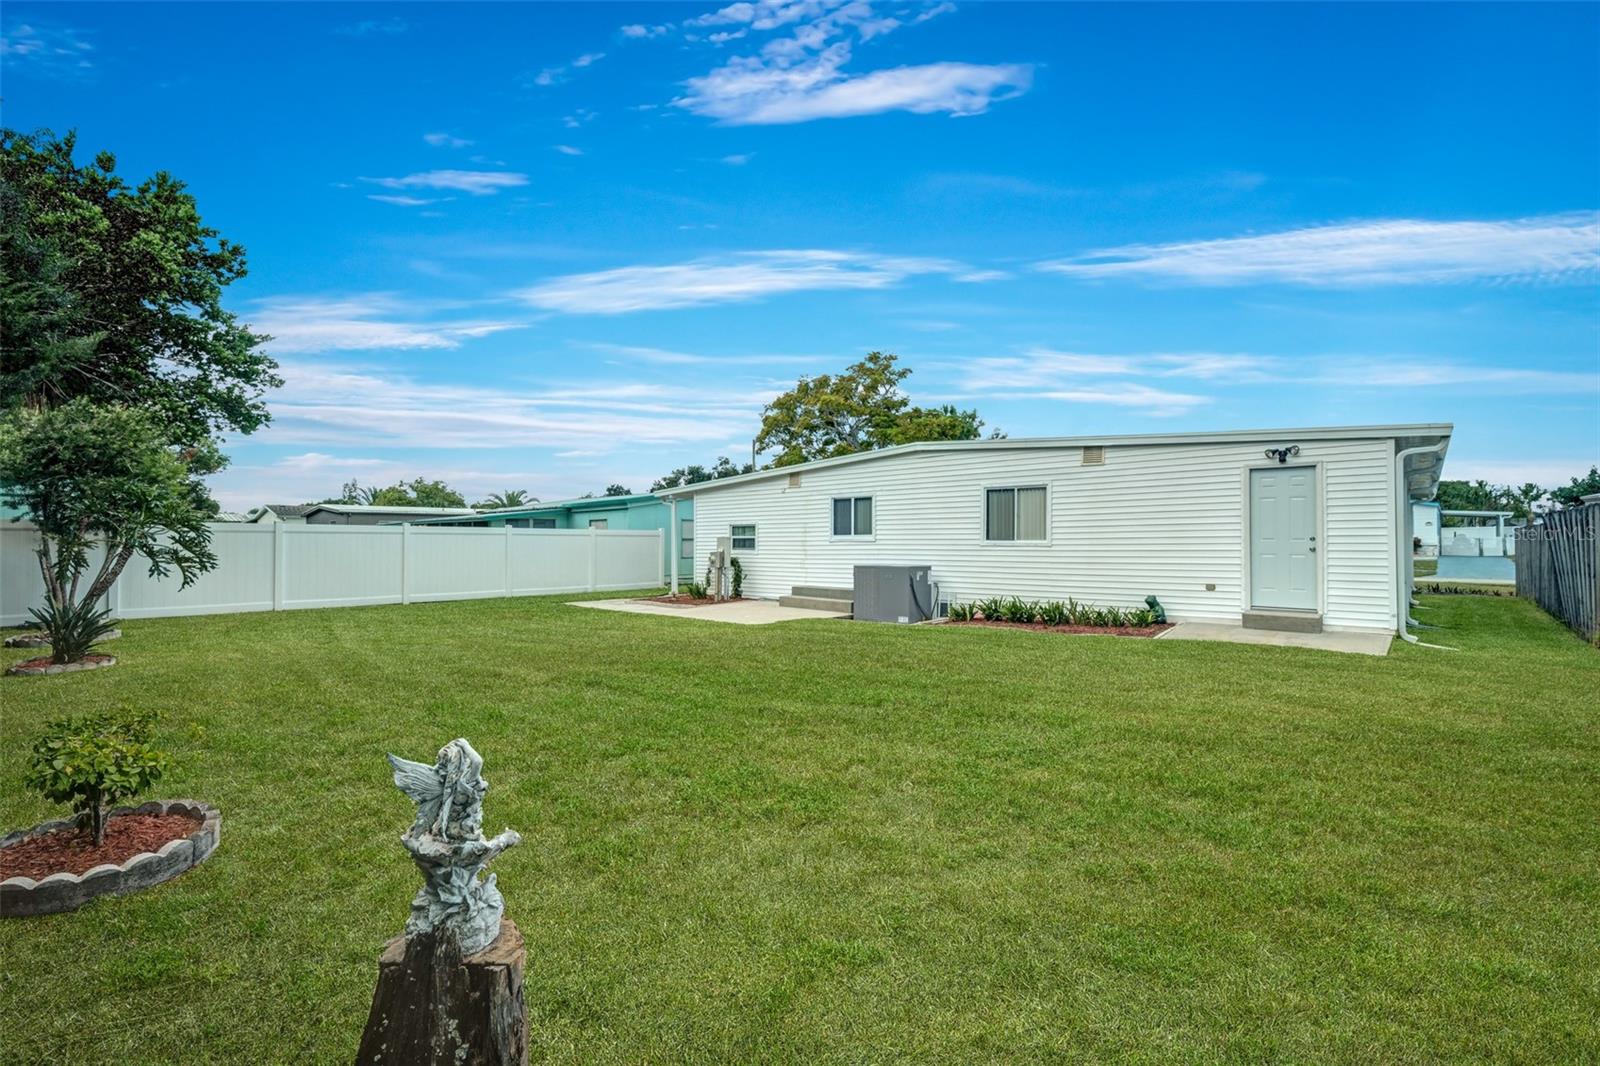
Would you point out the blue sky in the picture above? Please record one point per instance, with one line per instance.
(554, 247)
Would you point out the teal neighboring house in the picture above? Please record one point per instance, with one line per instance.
(640, 511)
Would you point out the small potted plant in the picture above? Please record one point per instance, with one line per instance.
(92, 763)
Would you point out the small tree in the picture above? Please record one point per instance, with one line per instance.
(96, 761)
(618, 490)
(102, 476)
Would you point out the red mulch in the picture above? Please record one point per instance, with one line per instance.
(72, 850)
(45, 660)
(1104, 631)
(682, 600)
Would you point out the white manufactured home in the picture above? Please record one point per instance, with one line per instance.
(1283, 528)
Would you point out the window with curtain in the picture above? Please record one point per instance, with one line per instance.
(852, 516)
(742, 538)
(686, 538)
(1014, 513)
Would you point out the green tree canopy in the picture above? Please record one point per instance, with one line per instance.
(496, 501)
(104, 474)
(617, 490)
(113, 293)
(695, 473)
(418, 492)
(1572, 495)
(859, 410)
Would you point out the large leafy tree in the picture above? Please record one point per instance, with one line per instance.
(103, 480)
(859, 410)
(113, 293)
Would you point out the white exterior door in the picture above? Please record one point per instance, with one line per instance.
(1283, 538)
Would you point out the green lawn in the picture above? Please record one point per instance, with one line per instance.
(1424, 567)
(837, 842)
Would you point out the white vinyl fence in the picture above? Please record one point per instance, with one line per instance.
(284, 567)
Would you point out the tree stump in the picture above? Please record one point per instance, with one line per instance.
(434, 1008)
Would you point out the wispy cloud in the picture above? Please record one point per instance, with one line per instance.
(640, 31)
(370, 321)
(1387, 252)
(567, 149)
(557, 75)
(800, 76)
(475, 182)
(747, 276)
(664, 357)
(369, 407)
(1082, 377)
(46, 48)
(738, 159)
(402, 201)
(446, 140)
(370, 27)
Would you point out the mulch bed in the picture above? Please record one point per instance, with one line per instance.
(682, 600)
(72, 850)
(1104, 631)
(44, 660)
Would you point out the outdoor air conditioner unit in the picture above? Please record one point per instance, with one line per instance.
(894, 593)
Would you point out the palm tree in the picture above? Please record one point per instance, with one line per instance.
(510, 498)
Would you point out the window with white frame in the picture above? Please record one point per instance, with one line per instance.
(686, 538)
(1012, 514)
(742, 538)
(852, 516)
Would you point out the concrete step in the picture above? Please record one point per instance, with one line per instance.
(1284, 621)
(817, 603)
(823, 592)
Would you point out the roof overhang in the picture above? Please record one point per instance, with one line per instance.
(1405, 436)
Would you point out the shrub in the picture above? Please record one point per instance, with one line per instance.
(991, 608)
(74, 628)
(1053, 613)
(95, 761)
(961, 612)
(1017, 610)
(738, 576)
(696, 590)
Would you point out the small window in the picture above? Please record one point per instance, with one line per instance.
(743, 538)
(686, 538)
(1014, 514)
(597, 523)
(852, 516)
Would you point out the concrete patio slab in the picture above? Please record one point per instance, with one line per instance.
(737, 612)
(1355, 643)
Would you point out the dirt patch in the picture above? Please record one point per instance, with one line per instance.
(43, 665)
(682, 600)
(72, 850)
(1104, 631)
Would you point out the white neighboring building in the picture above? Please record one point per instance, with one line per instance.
(1209, 523)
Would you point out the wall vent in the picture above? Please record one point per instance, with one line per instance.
(794, 481)
(1094, 455)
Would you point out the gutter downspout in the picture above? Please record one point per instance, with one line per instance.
(1404, 574)
(673, 547)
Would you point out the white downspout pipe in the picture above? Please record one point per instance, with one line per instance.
(1403, 568)
(674, 549)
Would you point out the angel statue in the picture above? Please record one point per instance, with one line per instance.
(449, 848)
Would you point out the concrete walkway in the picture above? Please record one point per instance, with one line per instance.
(1355, 643)
(738, 612)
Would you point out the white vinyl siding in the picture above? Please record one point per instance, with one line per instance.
(742, 538)
(852, 516)
(1015, 513)
(1158, 519)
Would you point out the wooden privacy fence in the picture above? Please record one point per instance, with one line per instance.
(1558, 566)
(282, 567)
